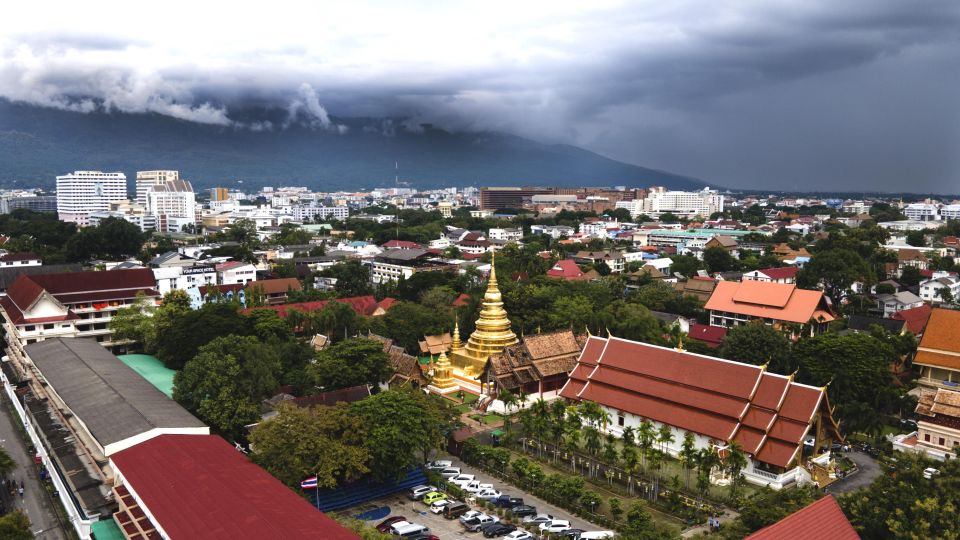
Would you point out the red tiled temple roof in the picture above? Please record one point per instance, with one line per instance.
(768, 414)
(819, 520)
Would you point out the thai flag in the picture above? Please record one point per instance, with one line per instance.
(309, 483)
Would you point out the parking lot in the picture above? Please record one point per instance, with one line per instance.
(417, 512)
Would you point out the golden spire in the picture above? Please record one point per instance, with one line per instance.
(679, 343)
(441, 373)
(493, 330)
(456, 345)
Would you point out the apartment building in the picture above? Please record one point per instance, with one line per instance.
(173, 204)
(149, 179)
(703, 203)
(70, 304)
(305, 213)
(82, 193)
(393, 264)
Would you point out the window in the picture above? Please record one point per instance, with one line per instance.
(942, 442)
(620, 420)
(48, 327)
(29, 328)
(926, 437)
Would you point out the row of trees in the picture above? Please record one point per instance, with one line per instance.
(59, 242)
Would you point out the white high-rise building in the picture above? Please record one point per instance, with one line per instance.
(148, 179)
(82, 193)
(682, 203)
(173, 203)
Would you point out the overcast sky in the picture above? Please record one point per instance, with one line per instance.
(806, 94)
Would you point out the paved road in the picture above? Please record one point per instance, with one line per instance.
(869, 471)
(35, 502)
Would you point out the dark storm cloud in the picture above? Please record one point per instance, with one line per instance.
(817, 94)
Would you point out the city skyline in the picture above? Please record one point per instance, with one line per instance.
(786, 96)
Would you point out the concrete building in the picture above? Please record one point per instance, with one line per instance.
(235, 273)
(780, 305)
(173, 204)
(73, 304)
(219, 194)
(659, 201)
(149, 179)
(394, 263)
(495, 198)
(82, 193)
(922, 212)
(305, 213)
(18, 260)
(36, 203)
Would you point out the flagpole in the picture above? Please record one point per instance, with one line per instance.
(316, 493)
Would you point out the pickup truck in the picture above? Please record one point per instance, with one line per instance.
(475, 486)
(473, 524)
(506, 501)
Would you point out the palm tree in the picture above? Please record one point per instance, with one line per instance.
(628, 436)
(736, 462)
(706, 460)
(558, 422)
(656, 461)
(687, 455)
(541, 421)
(665, 437)
(645, 436)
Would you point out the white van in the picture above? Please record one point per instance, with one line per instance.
(405, 529)
(461, 480)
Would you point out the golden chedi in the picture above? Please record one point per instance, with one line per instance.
(491, 336)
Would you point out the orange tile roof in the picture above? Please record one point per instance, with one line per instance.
(820, 520)
(779, 301)
(941, 332)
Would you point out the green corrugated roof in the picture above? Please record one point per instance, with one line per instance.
(151, 369)
(106, 529)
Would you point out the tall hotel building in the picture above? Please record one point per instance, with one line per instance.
(148, 179)
(82, 193)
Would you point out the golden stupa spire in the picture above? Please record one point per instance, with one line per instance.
(441, 373)
(456, 345)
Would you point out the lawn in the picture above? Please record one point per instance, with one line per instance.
(488, 419)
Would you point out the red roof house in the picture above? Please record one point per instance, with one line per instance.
(721, 401)
(401, 244)
(819, 520)
(363, 305)
(567, 269)
(711, 335)
(779, 302)
(916, 318)
(200, 487)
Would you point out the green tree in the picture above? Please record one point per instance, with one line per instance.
(7, 465)
(687, 456)
(226, 381)
(910, 276)
(136, 322)
(718, 259)
(297, 443)
(351, 362)
(291, 235)
(15, 526)
(759, 344)
(181, 332)
(407, 323)
(836, 269)
(353, 278)
(685, 265)
(575, 312)
(917, 238)
(767, 507)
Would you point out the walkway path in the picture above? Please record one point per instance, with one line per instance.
(868, 471)
(36, 502)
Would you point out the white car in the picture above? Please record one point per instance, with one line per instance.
(438, 464)
(518, 534)
(554, 526)
(539, 518)
(461, 480)
(475, 487)
(450, 472)
(488, 493)
(596, 535)
(469, 514)
(438, 506)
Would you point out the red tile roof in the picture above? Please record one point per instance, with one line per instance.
(462, 300)
(711, 335)
(780, 273)
(566, 269)
(778, 301)
(401, 244)
(820, 520)
(363, 305)
(26, 256)
(198, 486)
(768, 414)
(916, 318)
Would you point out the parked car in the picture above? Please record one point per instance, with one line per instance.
(438, 464)
(524, 510)
(475, 486)
(469, 515)
(455, 510)
(489, 494)
(572, 534)
(538, 519)
(417, 493)
(433, 497)
(506, 501)
(425, 536)
(909, 424)
(499, 529)
(438, 506)
(518, 535)
(407, 530)
(450, 472)
(473, 524)
(554, 526)
(462, 480)
(596, 535)
(930, 472)
(384, 525)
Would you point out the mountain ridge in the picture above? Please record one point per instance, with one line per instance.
(37, 144)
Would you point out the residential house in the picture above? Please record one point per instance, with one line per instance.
(785, 253)
(393, 264)
(567, 269)
(941, 287)
(727, 243)
(938, 355)
(699, 287)
(8, 260)
(783, 306)
(787, 274)
(911, 257)
(235, 272)
(888, 304)
(719, 401)
(711, 335)
(915, 319)
(938, 425)
(612, 258)
(862, 324)
(73, 304)
(274, 291)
